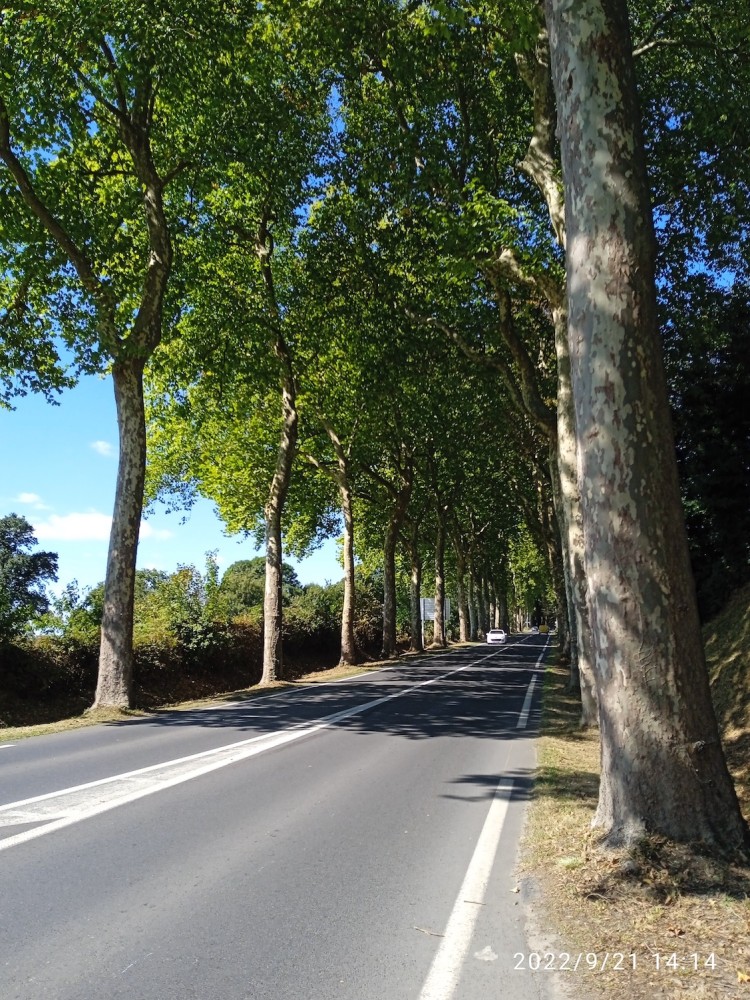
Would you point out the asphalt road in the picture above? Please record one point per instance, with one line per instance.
(354, 840)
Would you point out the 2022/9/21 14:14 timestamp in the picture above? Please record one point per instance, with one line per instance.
(615, 961)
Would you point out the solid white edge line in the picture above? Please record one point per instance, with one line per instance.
(243, 750)
(445, 970)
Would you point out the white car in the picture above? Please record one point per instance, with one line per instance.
(495, 636)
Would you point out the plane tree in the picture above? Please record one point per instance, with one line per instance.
(663, 769)
(103, 146)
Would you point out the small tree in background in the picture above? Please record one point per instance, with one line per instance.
(22, 576)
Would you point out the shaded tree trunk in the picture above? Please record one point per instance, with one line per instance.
(392, 531)
(583, 677)
(502, 607)
(411, 543)
(349, 654)
(340, 474)
(115, 679)
(541, 165)
(438, 638)
(273, 661)
(472, 607)
(663, 769)
(389, 591)
(415, 588)
(463, 607)
(484, 604)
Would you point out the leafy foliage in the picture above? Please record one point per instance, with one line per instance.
(708, 353)
(23, 574)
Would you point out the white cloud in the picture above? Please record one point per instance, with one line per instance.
(91, 526)
(103, 448)
(157, 533)
(31, 500)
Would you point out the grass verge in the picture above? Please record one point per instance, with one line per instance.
(680, 919)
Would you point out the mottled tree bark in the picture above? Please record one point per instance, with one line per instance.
(663, 769)
(416, 644)
(389, 591)
(392, 531)
(472, 607)
(583, 677)
(484, 603)
(463, 606)
(273, 660)
(349, 653)
(541, 164)
(115, 678)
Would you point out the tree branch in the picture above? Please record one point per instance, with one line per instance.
(83, 267)
(541, 163)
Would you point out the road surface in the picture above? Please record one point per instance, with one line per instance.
(353, 840)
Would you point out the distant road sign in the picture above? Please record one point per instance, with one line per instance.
(427, 604)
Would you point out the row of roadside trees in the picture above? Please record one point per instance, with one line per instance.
(407, 248)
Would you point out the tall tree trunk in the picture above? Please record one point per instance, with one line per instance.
(411, 545)
(392, 531)
(349, 654)
(663, 769)
(389, 590)
(472, 605)
(273, 662)
(541, 165)
(555, 553)
(485, 590)
(502, 605)
(115, 680)
(571, 526)
(439, 630)
(415, 588)
(463, 608)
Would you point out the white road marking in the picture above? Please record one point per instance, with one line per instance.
(523, 718)
(6, 746)
(445, 970)
(63, 808)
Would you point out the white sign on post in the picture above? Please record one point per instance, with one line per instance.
(427, 607)
(427, 604)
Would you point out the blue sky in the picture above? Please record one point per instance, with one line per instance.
(59, 465)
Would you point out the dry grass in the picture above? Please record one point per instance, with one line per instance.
(662, 899)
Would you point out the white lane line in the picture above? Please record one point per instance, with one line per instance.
(71, 805)
(523, 718)
(6, 746)
(445, 970)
